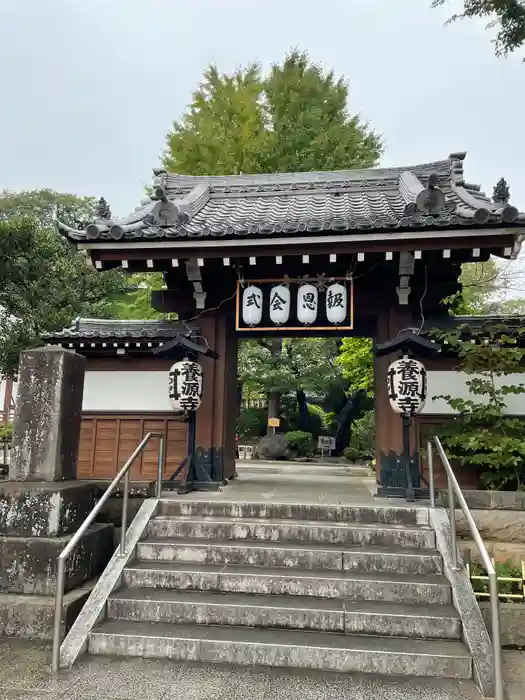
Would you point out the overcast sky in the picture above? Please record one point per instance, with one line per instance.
(90, 87)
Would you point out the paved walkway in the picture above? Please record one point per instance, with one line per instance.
(25, 675)
(275, 482)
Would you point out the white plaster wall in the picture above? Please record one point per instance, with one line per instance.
(126, 391)
(455, 384)
(120, 391)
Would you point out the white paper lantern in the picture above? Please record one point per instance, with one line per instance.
(407, 386)
(252, 305)
(336, 303)
(279, 304)
(307, 302)
(185, 386)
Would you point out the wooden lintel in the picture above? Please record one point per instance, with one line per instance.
(439, 243)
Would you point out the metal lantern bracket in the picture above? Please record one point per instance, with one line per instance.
(410, 343)
(197, 477)
(180, 342)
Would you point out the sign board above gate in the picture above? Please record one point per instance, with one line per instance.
(300, 305)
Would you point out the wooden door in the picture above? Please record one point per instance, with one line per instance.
(107, 441)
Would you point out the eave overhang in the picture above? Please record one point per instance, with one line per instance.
(296, 209)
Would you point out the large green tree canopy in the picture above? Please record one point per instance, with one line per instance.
(44, 283)
(294, 118)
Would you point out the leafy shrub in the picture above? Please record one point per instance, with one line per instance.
(299, 442)
(363, 438)
(504, 570)
(482, 435)
(317, 420)
(252, 422)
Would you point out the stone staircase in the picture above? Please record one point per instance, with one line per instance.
(342, 588)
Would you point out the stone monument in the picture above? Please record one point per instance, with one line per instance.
(41, 505)
(48, 414)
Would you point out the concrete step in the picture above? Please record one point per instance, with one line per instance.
(289, 555)
(299, 649)
(386, 515)
(265, 581)
(285, 612)
(220, 529)
(312, 469)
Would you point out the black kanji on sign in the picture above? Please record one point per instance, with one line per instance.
(253, 299)
(407, 385)
(409, 389)
(190, 389)
(191, 372)
(189, 403)
(334, 300)
(408, 404)
(408, 370)
(277, 302)
(309, 301)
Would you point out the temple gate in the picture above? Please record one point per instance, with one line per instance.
(393, 239)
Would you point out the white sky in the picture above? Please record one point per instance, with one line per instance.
(90, 87)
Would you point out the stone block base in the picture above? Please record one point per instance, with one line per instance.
(32, 616)
(41, 509)
(29, 564)
(512, 623)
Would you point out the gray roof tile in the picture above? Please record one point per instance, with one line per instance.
(89, 328)
(281, 204)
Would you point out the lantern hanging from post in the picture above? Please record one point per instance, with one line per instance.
(279, 304)
(252, 305)
(336, 303)
(407, 386)
(185, 386)
(307, 302)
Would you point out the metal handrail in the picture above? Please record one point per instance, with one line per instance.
(454, 490)
(61, 560)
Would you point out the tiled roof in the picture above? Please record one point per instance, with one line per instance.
(101, 328)
(432, 195)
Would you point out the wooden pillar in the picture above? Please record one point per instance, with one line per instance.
(389, 433)
(217, 415)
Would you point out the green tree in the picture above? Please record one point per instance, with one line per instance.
(482, 435)
(356, 361)
(44, 283)
(223, 132)
(506, 16)
(47, 205)
(483, 289)
(134, 302)
(295, 118)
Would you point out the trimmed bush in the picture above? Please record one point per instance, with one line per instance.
(299, 442)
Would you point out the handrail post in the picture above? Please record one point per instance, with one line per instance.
(430, 461)
(124, 523)
(454, 489)
(61, 561)
(496, 636)
(452, 517)
(59, 602)
(160, 467)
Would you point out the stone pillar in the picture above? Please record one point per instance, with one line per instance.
(48, 413)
